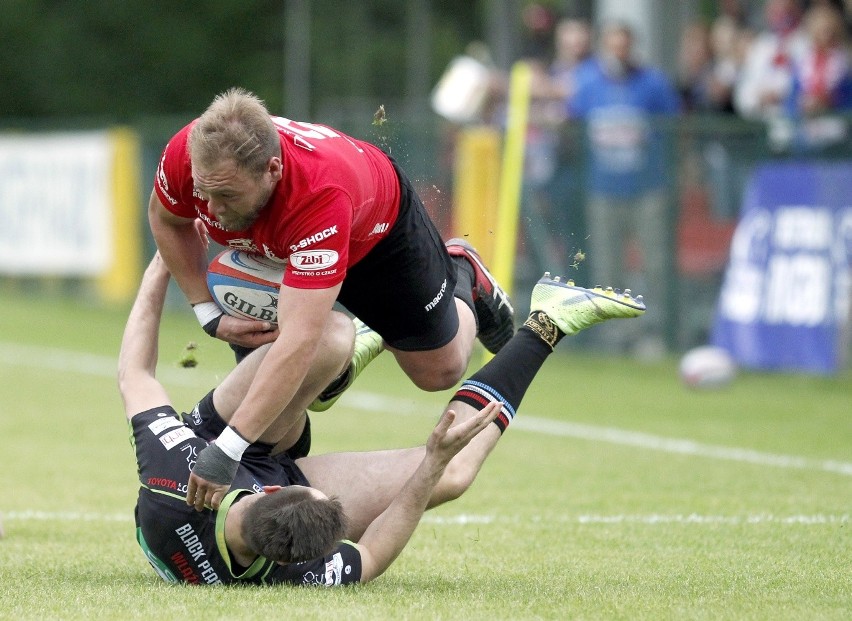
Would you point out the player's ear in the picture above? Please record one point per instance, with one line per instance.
(271, 489)
(275, 168)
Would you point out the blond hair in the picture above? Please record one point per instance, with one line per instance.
(235, 127)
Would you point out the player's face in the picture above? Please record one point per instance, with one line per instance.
(235, 196)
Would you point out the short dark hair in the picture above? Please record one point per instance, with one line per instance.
(292, 525)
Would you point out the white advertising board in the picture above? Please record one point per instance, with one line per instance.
(55, 203)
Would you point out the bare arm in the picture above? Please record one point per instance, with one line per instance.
(184, 250)
(303, 315)
(137, 359)
(389, 533)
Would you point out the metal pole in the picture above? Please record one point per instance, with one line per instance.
(297, 59)
(502, 31)
(418, 53)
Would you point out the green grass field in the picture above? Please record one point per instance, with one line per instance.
(615, 494)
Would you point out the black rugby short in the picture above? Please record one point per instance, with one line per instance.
(403, 289)
(206, 422)
(166, 448)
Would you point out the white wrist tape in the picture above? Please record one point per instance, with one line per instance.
(232, 444)
(206, 312)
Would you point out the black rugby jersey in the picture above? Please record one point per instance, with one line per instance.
(184, 545)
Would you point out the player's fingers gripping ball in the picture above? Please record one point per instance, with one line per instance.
(245, 286)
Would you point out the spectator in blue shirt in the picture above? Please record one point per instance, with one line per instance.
(621, 102)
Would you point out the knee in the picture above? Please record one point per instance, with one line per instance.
(435, 379)
(456, 480)
(433, 370)
(338, 340)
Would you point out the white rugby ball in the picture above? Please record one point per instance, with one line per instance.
(707, 367)
(245, 285)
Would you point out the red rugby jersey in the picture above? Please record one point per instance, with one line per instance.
(337, 198)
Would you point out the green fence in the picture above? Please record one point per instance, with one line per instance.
(708, 160)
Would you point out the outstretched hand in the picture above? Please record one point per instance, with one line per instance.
(447, 440)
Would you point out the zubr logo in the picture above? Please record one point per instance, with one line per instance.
(310, 260)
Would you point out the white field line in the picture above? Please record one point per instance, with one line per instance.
(652, 518)
(475, 519)
(97, 365)
(104, 366)
(525, 422)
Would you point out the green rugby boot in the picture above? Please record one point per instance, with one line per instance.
(574, 308)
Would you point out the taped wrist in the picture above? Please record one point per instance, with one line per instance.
(212, 464)
(209, 315)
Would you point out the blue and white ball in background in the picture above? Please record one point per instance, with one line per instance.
(707, 367)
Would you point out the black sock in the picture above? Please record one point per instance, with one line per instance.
(465, 279)
(508, 375)
(303, 445)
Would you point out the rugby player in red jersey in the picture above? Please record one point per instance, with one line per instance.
(350, 228)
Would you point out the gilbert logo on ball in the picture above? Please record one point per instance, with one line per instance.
(245, 285)
(707, 367)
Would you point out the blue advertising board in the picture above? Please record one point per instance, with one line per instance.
(785, 299)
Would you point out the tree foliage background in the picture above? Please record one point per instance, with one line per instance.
(122, 60)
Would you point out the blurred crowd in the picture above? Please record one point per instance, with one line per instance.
(605, 195)
(754, 59)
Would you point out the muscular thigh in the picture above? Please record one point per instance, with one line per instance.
(365, 483)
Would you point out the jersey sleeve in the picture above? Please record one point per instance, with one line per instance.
(342, 566)
(318, 244)
(173, 179)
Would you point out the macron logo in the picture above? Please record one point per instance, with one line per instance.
(437, 298)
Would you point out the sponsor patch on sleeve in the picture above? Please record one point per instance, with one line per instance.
(334, 570)
(313, 260)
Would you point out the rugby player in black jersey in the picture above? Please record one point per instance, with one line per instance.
(327, 519)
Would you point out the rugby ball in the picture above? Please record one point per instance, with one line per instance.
(245, 285)
(707, 367)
